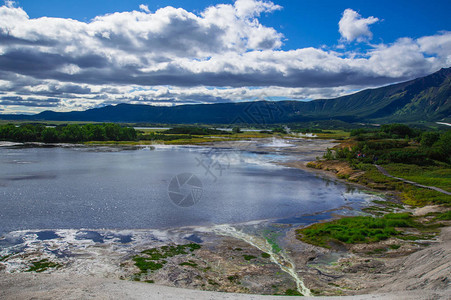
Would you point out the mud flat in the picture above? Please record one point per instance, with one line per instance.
(220, 258)
(305, 149)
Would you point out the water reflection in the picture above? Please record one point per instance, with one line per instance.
(73, 188)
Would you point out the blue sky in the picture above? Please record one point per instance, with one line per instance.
(65, 55)
(305, 23)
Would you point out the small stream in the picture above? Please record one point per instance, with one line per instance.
(280, 258)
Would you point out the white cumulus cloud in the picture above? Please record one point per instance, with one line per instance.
(144, 8)
(353, 27)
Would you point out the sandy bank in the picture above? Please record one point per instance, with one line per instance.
(51, 286)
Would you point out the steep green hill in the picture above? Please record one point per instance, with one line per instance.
(427, 99)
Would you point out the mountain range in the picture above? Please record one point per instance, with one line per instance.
(423, 99)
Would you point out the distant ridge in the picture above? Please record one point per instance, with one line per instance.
(423, 99)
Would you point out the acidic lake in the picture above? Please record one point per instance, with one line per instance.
(102, 188)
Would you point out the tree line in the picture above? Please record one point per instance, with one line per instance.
(72, 133)
(396, 143)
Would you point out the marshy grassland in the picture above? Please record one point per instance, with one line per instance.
(423, 157)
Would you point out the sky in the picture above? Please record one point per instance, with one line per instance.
(79, 54)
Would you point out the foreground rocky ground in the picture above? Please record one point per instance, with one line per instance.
(421, 275)
(82, 287)
(414, 270)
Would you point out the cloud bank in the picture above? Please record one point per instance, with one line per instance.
(172, 56)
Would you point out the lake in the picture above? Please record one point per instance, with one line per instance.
(104, 188)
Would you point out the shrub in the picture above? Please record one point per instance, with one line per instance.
(429, 138)
(398, 130)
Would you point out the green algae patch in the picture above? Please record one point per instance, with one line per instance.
(249, 257)
(155, 258)
(189, 263)
(43, 265)
(271, 237)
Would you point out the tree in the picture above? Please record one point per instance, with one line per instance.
(112, 132)
(429, 138)
(399, 130)
(73, 133)
(50, 135)
(68, 133)
(236, 130)
(444, 144)
(95, 132)
(128, 134)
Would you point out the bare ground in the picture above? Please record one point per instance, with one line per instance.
(50, 286)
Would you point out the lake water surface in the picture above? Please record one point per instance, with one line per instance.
(63, 188)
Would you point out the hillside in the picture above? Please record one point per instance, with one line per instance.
(422, 99)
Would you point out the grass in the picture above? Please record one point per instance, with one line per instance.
(42, 265)
(154, 259)
(377, 251)
(437, 176)
(189, 263)
(376, 210)
(146, 264)
(292, 292)
(217, 138)
(212, 282)
(382, 207)
(394, 247)
(249, 257)
(334, 134)
(170, 251)
(373, 178)
(233, 278)
(265, 255)
(414, 237)
(183, 139)
(359, 229)
(416, 196)
(186, 139)
(409, 194)
(445, 216)
(4, 258)
(388, 204)
(397, 148)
